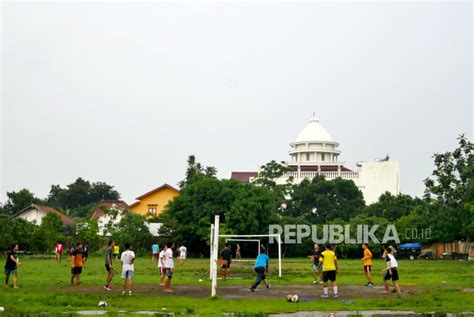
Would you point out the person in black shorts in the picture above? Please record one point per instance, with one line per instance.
(391, 271)
(11, 266)
(226, 256)
(109, 265)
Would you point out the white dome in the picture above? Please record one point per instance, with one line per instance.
(314, 132)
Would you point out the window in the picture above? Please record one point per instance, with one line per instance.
(307, 156)
(152, 209)
(322, 157)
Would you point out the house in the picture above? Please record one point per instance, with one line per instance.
(35, 213)
(108, 211)
(153, 202)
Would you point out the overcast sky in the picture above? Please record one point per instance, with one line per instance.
(124, 92)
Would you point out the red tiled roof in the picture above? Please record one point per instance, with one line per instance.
(155, 190)
(107, 204)
(243, 176)
(45, 209)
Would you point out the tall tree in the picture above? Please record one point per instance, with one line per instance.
(450, 189)
(19, 200)
(195, 171)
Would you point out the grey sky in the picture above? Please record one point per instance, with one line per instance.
(124, 92)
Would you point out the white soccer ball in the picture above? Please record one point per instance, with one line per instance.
(289, 298)
(102, 304)
(2, 309)
(295, 298)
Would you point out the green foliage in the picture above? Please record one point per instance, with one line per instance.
(86, 232)
(18, 201)
(393, 207)
(243, 209)
(196, 171)
(78, 197)
(320, 200)
(132, 228)
(450, 191)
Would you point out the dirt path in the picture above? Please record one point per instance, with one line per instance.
(310, 292)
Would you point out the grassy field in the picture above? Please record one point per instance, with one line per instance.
(440, 286)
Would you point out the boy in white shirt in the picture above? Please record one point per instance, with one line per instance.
(391, 271)
(127, 259)
(182, 254)
(169, 266)
(161, 266)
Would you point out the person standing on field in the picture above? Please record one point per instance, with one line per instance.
(315, 263)
(128, 268)
(238, 255)
(109, 265)
(77, 263)
(226, 256)
(116, 251)
(391, 271)
(161, 266)
(367, 262)
(58, 251)
(169, 266)
(11, 265)
(155, 252)
(328, 260)
(182, 254)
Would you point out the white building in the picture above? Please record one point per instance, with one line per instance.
(35, 213)
(314, 152)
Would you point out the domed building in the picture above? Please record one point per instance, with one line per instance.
(314, 152)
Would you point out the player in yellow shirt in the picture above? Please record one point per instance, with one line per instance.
(328, 261)
(367, 262)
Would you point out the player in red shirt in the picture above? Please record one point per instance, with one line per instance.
(58, 250)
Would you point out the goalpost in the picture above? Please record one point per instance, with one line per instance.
(246, 240)
(215, 252)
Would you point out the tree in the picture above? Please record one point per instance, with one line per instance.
(393, 207)
(18, 201)
(320, 200)
(78, 198)
(87, 233)
(267, 178)
(132, 228)
(195, 171)
(243, 209)
(450, 190)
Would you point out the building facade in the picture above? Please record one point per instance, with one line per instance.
(154, 202)
(314, 152)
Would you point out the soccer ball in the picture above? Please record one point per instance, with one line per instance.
(295, 298)
(289, 298)
(102, 304)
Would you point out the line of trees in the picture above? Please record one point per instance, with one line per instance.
(447, 207)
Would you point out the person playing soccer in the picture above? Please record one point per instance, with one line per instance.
(391, 271)
(161, 266)
(315, 263)
(58, 251)
(182, 254)
(169, 266)
(328, 260)
(238, 255)
(77, 262)
(109, 265)
(367, 262)
(116, 251)
(261, 266)
(11, 265)
(226, 256)
(128, 268)
(155, 252)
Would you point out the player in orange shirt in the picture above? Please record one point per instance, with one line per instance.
(367, 260)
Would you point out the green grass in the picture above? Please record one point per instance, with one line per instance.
(44, 287)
